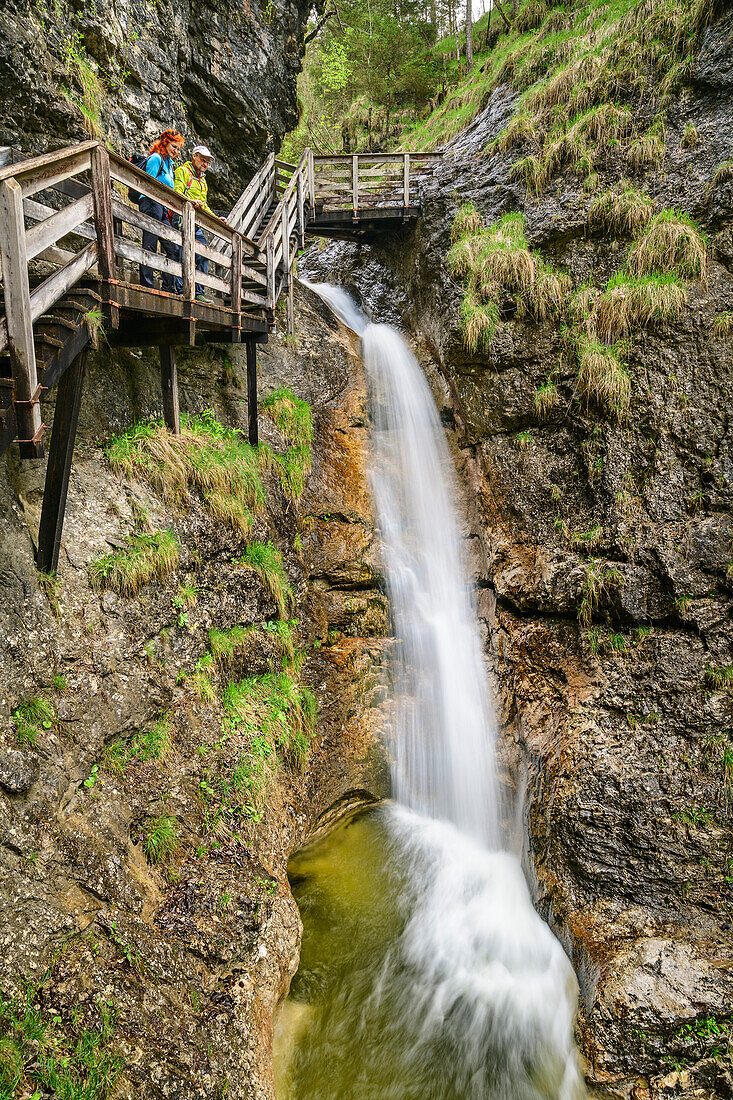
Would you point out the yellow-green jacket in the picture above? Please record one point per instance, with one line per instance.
(187, 183)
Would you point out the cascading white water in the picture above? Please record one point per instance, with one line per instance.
(475, 974)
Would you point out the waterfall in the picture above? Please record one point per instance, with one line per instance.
(475, 974)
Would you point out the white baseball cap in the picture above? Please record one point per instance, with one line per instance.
(203, 150)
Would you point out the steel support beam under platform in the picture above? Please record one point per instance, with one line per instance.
(365, 224)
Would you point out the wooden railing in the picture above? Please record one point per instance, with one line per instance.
(369, 180)
(67, 214)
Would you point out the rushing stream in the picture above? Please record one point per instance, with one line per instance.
(425, 972)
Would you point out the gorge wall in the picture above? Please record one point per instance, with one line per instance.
(157, 969)
(221, 73)
(615, 725)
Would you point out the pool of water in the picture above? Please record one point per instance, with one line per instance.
(424, 973)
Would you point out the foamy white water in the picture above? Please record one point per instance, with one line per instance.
(476, 972)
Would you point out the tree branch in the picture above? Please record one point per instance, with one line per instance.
(496, 4)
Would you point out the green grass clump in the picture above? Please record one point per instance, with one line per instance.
(225, 643)
(277, 708)
(293, 417)
(671, 243)
(467, 222)
(38, 1059)
(624, 210)
(143, 559)
(207, 457)
(720, 677)
(646, 151)
(723, 173)
(267, 562)
(723, 323)
(496, 262)
(161, 838)
(546, 398)
(32, 718)
(603, 377)
(599, 580)
(690, 138)
(631, 302)
(154, 743)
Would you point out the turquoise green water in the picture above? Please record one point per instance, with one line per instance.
(398, 997)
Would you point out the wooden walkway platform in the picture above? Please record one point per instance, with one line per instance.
(71, 249)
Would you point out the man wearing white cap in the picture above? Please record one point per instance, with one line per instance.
(190, 181)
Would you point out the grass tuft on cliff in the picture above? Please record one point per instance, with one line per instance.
(719, 677)
(671, 243)
(32, 718)
(624, 210)
(494, 263)
(603, 376)
(267, 562)
(154, 743)
(215, 461)
(630, 302)
(599, 580)
(161, 837)
(143, 559)
(277, 708)
(37, 1058)
(293, 417)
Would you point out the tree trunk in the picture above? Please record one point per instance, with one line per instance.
(469, 35)
(500, 10)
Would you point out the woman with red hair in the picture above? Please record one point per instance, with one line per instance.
(160, 165)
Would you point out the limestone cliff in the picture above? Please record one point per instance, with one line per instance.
(616, 718)
(222, 73)
(144, 898)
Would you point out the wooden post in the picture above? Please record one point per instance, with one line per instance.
(291, 308)
(61, 450)
(188, 262)
(311, 182)
(236, 281)
(407, 179)
(270, 253)
(286, 239)
(169, 386)
(18, 319)
(252, 391)
(188, 265)
(301, 212)
(103, 223)
(355, 183)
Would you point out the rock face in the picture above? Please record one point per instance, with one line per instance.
(616, 739)
(221, 73)
(179, 963)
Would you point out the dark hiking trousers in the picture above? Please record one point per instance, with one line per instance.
(150, 242)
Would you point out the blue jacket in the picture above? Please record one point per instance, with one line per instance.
(160, 169)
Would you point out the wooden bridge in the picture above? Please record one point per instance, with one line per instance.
(70, 244)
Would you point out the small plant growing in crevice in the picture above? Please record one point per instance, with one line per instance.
(161, 838)
(723, 323)
(599, 580)
(32, 719)
(293, 417)
(719, 677)
(267, 562)
(144, 558)
(690, 138)
(546, 398)
(154, 743)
